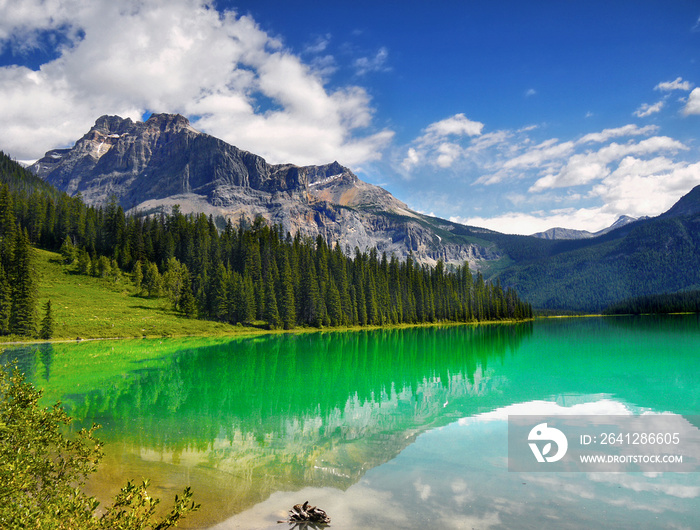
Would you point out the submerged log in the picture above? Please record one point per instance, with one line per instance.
(311, 515)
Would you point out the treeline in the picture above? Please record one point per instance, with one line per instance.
(685, 302)
(247, 274)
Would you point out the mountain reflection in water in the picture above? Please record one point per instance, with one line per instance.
(383, 428)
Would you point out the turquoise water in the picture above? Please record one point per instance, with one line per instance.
(383, 429)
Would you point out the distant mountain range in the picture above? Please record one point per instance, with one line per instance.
(151, 166)
(570, 233)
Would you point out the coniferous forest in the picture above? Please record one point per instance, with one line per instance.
(243, 273)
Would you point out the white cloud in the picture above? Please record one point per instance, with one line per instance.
(438, 143)
(412, 159)
(646, 187)
(541, 155)
(377, 63)
(625, 130)
(448, 153)
(583, 168)
(693, 104)
(646, 109)
(636, 187)
(676, 84)
(591, 219)
(238, 82)
(319, 44)
(457, 125)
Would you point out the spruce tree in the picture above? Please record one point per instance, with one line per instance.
(187, 303)
(138, 276)
(287, 305)
(47, 323)
(68, 251)
(5, 302)
(24, 296)
(271, 314)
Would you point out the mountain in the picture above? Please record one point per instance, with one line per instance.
(569, 233)
(647, 257)
(152, 166)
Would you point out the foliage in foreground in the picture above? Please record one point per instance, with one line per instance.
(41, 471)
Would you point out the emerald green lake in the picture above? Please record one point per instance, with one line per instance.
(384, 428)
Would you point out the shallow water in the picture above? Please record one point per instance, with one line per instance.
(382, 429)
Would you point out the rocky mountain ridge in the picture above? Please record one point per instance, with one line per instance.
(151, 166)
(154, 165)
(570, 233)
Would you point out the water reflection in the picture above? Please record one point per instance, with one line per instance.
(368, 421)
(456, 477)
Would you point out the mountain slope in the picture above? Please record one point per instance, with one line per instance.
(570, 233)
(151, 166)
(650, 256)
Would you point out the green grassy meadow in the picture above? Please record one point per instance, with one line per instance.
(88, 308)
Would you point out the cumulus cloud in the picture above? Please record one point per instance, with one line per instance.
(233, 79)
(646, 109)
(676, 84)
(376, 63)
(594, 179)
(692, 106)
(591, 219)
(438, 143)
(626, 130)
(583, 168)
(457, 125)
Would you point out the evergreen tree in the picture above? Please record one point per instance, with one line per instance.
(271, 315)
(138, 276)
(173, 280)
(47, 323)
(287, 305)
(84, 262)
(218, 296)
(333, 305)
(152, 281)
(24, 296)
(5, 302)
(187, 303)
(68, 251)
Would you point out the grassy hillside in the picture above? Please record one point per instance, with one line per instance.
(89, 307)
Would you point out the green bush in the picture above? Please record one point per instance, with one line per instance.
(41, 471)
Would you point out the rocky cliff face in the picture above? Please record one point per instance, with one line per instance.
(151, 166)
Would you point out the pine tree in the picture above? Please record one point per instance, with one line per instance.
(333, 304)
(271, 315)
(47, 323)
(187, 303)
(68, 251)
(23, 315)
(287, 305)
(152, 281)
(138, 276)
(84, 262)
(218, 294)
(5, 302)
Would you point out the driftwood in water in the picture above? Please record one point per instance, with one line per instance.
(310, 515)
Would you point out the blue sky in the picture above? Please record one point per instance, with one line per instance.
(516, 116)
